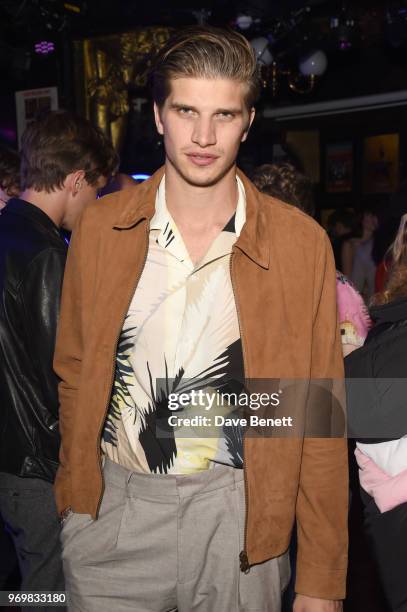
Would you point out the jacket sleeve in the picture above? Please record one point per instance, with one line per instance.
(322, 502)
(67, 363)
(40, 294)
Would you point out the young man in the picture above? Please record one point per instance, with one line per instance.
(201, 283)
(64, 162)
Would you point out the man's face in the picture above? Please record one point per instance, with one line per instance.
(83, 194)
(203, 122)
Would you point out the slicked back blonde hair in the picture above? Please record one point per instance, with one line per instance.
(209, 53)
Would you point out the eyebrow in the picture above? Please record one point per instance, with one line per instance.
(233, 111)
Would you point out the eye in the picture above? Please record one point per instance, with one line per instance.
(184, 110)
(226, 115)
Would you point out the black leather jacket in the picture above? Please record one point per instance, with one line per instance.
(32, 260)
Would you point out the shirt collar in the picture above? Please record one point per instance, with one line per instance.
(240, 218)
(161, 216)
(138, 204)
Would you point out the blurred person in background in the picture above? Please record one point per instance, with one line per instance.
(9, 175)
(343, 232)
(363, 265)
(378, 419)
(64, 161)
(285, 182)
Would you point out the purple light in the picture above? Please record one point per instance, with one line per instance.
(44, 47)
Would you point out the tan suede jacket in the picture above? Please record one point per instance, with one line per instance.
(283, 277)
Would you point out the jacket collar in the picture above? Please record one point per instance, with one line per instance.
(254, 237)
(33, 213)
(392, 312)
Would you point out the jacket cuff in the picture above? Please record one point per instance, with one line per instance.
(320, 582)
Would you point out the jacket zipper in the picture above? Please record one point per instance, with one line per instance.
(113, 372)
(243, 557)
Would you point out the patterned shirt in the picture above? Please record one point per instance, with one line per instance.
(181, 333)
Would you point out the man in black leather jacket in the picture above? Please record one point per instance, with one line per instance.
(64, 162)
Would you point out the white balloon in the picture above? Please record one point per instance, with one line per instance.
(314, 63)
(263, 54)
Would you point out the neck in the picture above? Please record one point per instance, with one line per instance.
(200, 207)
(52, 204)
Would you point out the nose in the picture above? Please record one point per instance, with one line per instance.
(204, 132)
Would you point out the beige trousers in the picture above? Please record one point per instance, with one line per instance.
(166, 543)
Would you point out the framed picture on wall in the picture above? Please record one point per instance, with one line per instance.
(30, 103)
(381, 164)
(339, 167)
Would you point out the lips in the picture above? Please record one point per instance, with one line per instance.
(202, 159)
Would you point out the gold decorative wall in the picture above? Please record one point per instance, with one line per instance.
(106, 68)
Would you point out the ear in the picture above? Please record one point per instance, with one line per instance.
(158, 122)
(75, 181)
(251, 117)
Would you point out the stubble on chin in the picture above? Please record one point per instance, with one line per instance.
(195, 178)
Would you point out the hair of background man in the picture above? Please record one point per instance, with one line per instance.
(59, 143)
(347, 218)
(285, 182)
(209, 53)
(10, 172)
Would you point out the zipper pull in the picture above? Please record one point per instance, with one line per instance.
(244, 562)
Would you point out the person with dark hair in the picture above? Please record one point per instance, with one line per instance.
(9, 175)
(285, 182)
(64, 162)
(363, 265)
(343, 226)
(201, 285)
